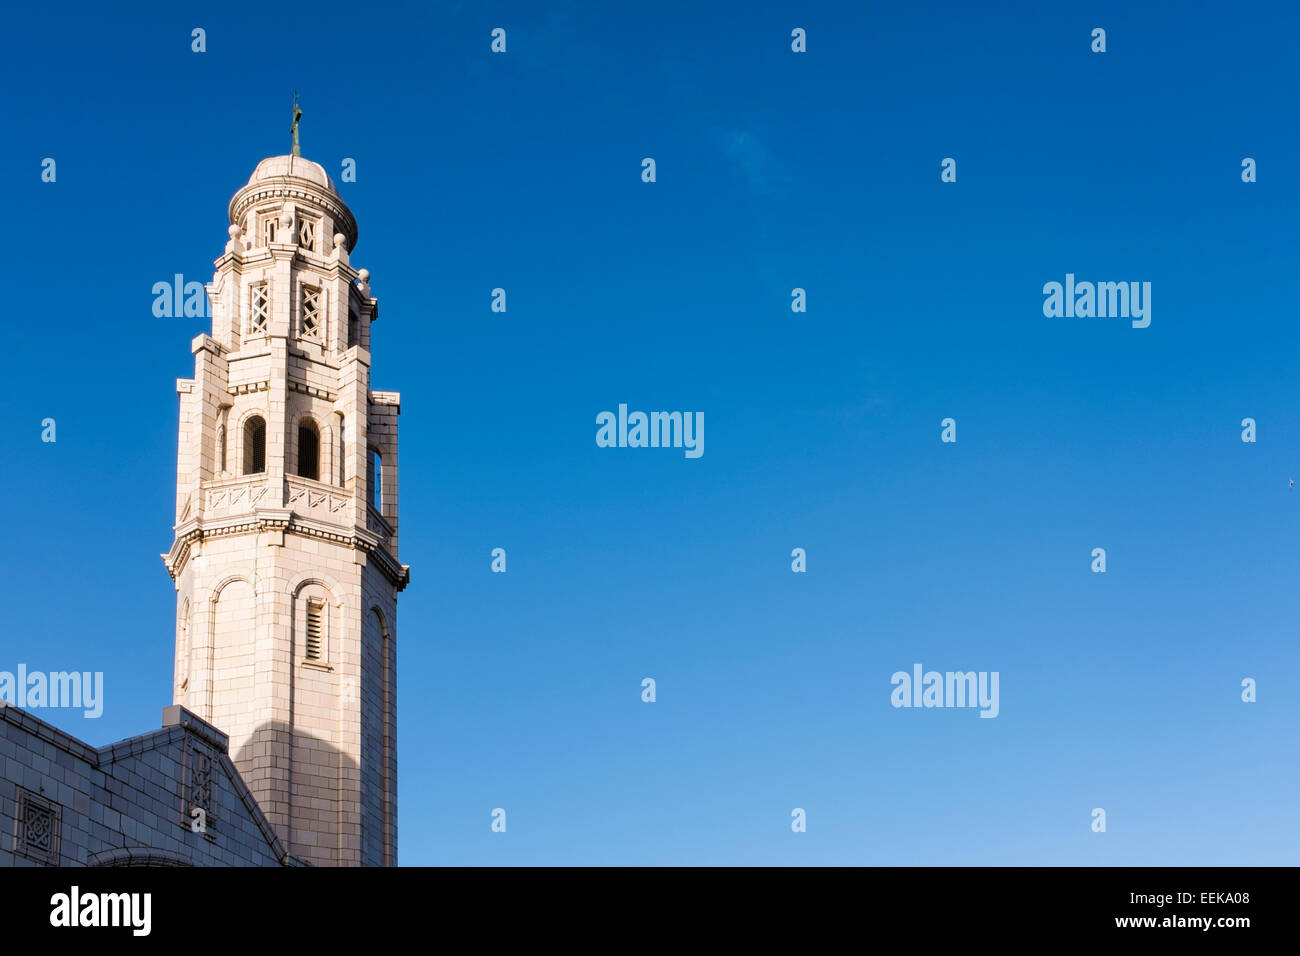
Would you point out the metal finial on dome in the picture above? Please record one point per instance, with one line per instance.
(297, 115)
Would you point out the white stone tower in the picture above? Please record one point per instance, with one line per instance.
(285, 555)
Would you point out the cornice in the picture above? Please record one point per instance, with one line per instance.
(278, 520)
(297, 386)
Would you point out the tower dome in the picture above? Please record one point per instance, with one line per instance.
(280, 181)
(280, 167)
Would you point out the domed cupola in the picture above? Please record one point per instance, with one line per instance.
(290, 199)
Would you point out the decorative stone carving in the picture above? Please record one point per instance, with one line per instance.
(200, 765)
(39, 820)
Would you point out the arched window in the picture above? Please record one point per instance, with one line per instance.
(308, 450)
(375, 479)
(255, 445)
(221, 448)
(313, 641)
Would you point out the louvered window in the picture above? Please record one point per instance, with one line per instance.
(315, 630)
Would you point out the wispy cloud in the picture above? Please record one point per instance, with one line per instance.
(756, 163)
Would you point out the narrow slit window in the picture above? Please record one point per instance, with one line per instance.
(376, 481)
(343, 451)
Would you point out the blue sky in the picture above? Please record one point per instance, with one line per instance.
(775, 170)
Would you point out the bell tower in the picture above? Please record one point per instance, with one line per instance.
(285, 555)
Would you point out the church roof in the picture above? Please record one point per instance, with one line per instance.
(121, 805)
